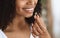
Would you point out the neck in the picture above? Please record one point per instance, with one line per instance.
(18, 24)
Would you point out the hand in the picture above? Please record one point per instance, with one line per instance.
(39, 28)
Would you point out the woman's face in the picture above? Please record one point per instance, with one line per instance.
(25, 8)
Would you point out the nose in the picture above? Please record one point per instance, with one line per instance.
(30, 2)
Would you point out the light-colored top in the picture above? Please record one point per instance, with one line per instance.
(2, 35)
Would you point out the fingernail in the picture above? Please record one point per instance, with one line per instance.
(38, 16)
(36, 13)
(32, 24)
(35, 16)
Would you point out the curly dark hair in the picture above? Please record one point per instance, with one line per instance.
(7, 12)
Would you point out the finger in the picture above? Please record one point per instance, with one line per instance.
(40, 22)
(33, 35)
(34, 31)
(38, 28)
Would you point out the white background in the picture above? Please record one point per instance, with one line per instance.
(56, 17)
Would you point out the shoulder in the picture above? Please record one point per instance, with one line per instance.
(2, 35)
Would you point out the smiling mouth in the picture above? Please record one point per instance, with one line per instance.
(30, 10)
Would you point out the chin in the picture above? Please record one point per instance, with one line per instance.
(28, 16)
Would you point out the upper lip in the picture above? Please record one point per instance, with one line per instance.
(28, 7)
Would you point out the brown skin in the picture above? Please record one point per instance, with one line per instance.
(39, 28)
(19, 28)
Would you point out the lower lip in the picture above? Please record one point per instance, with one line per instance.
(29, 11)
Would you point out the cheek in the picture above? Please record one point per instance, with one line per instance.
(20, 5)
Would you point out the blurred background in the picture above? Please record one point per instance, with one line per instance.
(51, 16)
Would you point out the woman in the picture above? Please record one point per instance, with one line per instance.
(20, 19)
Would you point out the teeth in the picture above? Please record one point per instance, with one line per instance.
(30, 9)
